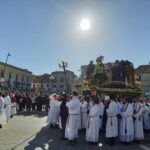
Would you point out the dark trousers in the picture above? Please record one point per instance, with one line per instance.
(39, 107)
(112, 141)
(47, 107)
(33, 106)
(20, 106)
(23, 105)
(28, 107)
(63, 123)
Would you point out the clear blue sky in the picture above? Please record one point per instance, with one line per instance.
(39, 33)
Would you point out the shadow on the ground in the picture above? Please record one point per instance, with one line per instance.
(32, 113)
(49, 139)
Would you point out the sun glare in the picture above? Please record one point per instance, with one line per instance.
(85, 24)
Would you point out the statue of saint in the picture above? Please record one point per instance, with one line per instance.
(90, 70)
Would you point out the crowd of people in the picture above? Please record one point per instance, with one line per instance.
(119, 117)
(32, 101)
(14, 102)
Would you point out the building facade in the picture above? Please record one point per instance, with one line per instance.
(143, 75)
(54, 82)
(15, 78)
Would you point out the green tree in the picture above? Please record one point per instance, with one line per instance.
(99, 76)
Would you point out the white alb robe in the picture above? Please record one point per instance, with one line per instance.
(13, 108)
(146, 117)
(53, 114)
(59, 122)
(79, 120)
(112, 122)
(8, 105)
(90, 105)
(119, 108)
(138, 121)
(126, 128)
(84, 115)
(101, 113)
(72, 125)
(92, 131)
(3, 118)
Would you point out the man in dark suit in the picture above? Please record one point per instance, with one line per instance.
(63, 114)
(39, 102)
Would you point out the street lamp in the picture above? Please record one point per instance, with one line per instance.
(6, 63)
(2, 80)
(63, 65)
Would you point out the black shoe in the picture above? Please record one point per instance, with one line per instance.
(95, 143)
(92, 143)
(51, 126)
(138, 142)
(55, 125)
(89, 142)
(146, 131)
(63, 139)
(127, 143)
(112, 143)
(70, 142)
(75, 141)
(1, 126)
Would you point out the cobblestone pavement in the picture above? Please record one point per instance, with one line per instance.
(28, 131)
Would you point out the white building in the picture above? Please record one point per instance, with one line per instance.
(143, 72)
(15, 78)
(54, 82)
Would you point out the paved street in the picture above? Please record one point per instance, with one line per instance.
(28, 131)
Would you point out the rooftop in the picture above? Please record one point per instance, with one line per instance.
(15, 67)
(143, 69)
(45, 77)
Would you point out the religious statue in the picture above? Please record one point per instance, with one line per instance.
(90, 70)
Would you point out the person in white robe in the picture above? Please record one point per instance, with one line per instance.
(53, 114)
(33, 98)
(59, 122)
(126, 127)
(8, 109)
(84, 116)
(13, 104)
(146, 117)
(70, 98)
(90, 105)
(92, 131)
(79, 117)
(138, 121)
(71, 132)
(119, 105)
(101, 112)
(112, 122)
(3, 118)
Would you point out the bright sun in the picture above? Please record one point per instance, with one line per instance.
(85, 24)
